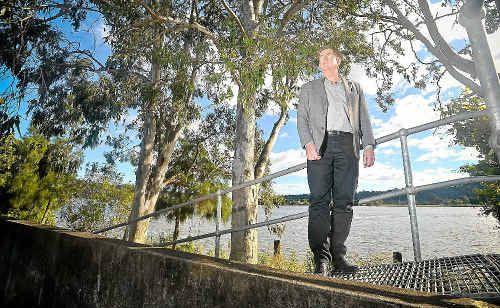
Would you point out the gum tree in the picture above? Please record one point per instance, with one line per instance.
(267, 49)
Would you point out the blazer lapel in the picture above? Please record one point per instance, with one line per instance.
(349, 98)
(322, 94)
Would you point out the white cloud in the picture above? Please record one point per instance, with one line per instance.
(102, 31)
(273, 109)
(388, 151)
(368, 84)
(432, 175)
(287, 159)
(409, 111)
(195, 125)
(376, 121)
(446, 83)
(447, 26)
(436, 149)
(390, 144)
(380, 177)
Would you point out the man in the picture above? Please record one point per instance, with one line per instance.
(331, 119)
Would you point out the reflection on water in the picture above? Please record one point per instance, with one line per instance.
(444, 231)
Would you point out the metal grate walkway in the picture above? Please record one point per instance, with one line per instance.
(475, 276)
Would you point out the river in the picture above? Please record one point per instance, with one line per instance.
(444, 231)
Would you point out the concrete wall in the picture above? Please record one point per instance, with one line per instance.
(42, 266)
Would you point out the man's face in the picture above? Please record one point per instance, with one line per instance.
(327, 60)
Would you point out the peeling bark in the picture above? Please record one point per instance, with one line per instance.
(244, 211)
(245, 201)
(150, 174)
(137, 231)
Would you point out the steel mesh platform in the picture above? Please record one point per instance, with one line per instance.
(475, 276)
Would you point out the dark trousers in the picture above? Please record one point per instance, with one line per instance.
(332, 182)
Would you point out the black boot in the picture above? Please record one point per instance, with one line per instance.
(341, 265)
(341, 225)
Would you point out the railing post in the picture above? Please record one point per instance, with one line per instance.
(410, 194)
(217, 224)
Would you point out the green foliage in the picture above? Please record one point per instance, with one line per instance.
(285, 262)
(34, 53)
(289, 263)
(191, 247)
(37, 176)
(475, 133)
(7, 159)
(269, 200)
(100, 201)
(492, 18)
(201, 167)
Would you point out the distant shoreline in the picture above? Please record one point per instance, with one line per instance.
(404, 205)
(426, 205)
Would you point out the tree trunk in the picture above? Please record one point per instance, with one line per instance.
(136, 232)
(244, 245)
(153, 189)
(244, 211)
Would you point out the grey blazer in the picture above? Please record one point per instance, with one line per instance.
(312, 111)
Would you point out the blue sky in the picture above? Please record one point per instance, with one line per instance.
(433, 159)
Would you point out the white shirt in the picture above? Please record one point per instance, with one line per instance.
(337, 117)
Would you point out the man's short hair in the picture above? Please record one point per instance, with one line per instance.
(334, 50)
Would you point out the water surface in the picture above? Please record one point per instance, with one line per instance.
(444, 231)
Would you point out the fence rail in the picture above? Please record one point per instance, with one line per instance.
(395, 193)
(410, 190)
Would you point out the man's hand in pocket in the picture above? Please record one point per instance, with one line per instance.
(311, 152)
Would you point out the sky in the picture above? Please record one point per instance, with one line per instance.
(433, 158)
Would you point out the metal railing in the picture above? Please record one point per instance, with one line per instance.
(410, 190)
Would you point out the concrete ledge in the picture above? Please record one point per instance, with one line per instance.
(42, 266)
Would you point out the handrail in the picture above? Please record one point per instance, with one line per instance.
(395, 193)
(383, 139)
(410, 190)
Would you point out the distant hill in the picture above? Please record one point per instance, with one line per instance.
(460, 194)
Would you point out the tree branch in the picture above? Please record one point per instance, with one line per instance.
(296, 6)
(161, 167)
(404, 21)
(257, 6)
(261, 165)
(437, 18)
(462, 64)
(104, 68)
(235, 17)
(179, 25)
(417, 57)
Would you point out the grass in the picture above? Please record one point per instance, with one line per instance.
(289, 262)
